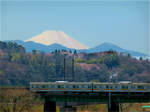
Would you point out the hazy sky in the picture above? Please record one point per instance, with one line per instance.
(124, 23)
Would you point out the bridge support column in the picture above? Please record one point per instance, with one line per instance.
(113, 107)
(49, 106)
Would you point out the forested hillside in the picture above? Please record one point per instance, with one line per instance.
(19, 68)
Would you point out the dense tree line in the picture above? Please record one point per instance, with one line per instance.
(19, 68)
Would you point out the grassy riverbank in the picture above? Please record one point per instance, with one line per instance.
(135, 107)
(22, 100)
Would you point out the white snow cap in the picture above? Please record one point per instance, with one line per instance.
(57, 37)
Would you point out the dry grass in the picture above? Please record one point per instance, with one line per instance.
(92, 108)
(135, 107)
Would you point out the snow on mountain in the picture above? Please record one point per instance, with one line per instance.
(57, 37)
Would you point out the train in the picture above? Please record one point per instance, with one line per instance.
(89, 87)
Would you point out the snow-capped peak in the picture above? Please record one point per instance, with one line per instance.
(59, 37)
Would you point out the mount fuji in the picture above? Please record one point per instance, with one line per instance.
(49, 41)
(57, 37)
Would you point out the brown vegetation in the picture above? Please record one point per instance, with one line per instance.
(16, 100)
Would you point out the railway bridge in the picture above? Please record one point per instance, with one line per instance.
(69, 93)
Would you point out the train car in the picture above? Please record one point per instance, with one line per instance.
(61, 86)
(121, 87)
(89, 87)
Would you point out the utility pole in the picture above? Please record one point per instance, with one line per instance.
(73, 75)
(109, 100)
(64, 69)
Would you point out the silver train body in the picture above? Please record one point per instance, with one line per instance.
(89, 87)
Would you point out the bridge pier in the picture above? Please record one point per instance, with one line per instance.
(113, 107)
(49, 106)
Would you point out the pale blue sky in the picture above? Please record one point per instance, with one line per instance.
(91, 23)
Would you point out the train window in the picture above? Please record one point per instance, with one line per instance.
(82, 86)
(111, 87)
(140, 87)
(52, 86)
(115, 87)
(37, 86)
(100, 87)
(43, 86)
(124, 87)
(77, 86)
(107, 87)
(67, 86)
(95, 86)
(73, 86)
(58, 86)
(146, 87)
(89, 86)
(132, 87)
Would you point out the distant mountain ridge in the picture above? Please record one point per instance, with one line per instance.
(106, 46)
(29, 46)
(110, 46)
